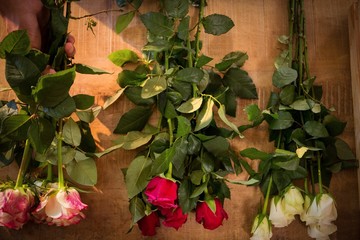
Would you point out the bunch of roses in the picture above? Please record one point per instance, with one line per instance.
(162, 193)
(317, 212)
(56, 206)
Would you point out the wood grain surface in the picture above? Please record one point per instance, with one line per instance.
(258, 23)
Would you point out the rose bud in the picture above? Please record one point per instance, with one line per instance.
(207, 217)
(261, 229)
(162, 192)
(148, 224)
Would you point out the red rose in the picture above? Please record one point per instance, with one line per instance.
(148, 224)
(162, 192)
(205, 216)
(173, 217)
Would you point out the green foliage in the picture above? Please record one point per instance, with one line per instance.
(172, 79)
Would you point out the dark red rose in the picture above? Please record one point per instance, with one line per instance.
(173, 217)
(148, 224)
(162, 192)
(205, 216)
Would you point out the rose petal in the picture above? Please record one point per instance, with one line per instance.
(53, 208)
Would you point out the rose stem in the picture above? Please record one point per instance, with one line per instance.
(266, 202)
(49, 173)
(171, 139)
(24, 165)
(198, 31)
(59, 155)
(319, 173)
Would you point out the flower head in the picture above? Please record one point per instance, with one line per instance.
(261, 228)
(207, 217)
(61, 207)
(173, 217)
(293, 201)
(162, 192)
(148, 224)
(15, 205)
(278, 215)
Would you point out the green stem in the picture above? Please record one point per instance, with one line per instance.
(319, 173)
(278, 145)
(291, 29)
(266, 202)
(166, 60)
(59, 155)
(306, 188)
(312, 178)
(171, 140)
(301, 45)
(49, 173)
(198, 31)
(24, 164)
(189, 54)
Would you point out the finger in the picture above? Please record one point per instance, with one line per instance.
(70, 38)
(48, 70)
(70, 49)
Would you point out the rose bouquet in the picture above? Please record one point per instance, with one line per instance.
(39, 129)
(306, 138)
(182, 162)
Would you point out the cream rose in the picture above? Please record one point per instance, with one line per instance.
(261, 229)
(278, 216)
(293, 201)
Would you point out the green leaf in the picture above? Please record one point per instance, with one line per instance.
(196, 177)
(249, 182)
(121, 57)
(190, 75)
(71, 133)
(133, 140)
(180, 152)
(63, 109)
(183, 127)
(137, 175)
(16, 42)
(52, 89)
(130, 78)
(284, 76)
(218, 146)
(205, 116)
(107, 151)
(159, 45)
(281, 180)
(183, 28)
(133, 120)
(343, 150)
(41, 133)
(203, 60)
(176, 8)
(21, 74)
(153, 87)
(315, 129)
(41, 60)
(170, 111)
(84, 69)
(123, 21)
(187, 204)
(254, 153)
(83, 171)
(283, 60)
(134, 95)
(13, 123)
(253, 112)
(191, 105)
(222, 115)
(300, 105)
(217, 24)
(240, 82)
(333, 125)
(290, 164)
(194, 145)
(137, 209)
(109, 101)
(284, 121)
(161, 163)
(287, 95)
(158, 24)
(199, 190)
(83, 101)
(237, 58)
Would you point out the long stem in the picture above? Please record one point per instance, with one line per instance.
(319, 173)
(266, 203)
(59, 155)
(24, 164)
(189, 54)
(306, 188)
(301, 45)
(291, 29)
(312, 178)
(49, 173)
(171, 140)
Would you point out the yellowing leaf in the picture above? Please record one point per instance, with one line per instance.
(190, 105)
(301, 151)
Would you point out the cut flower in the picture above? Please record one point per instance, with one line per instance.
(207, 217)
(261, 228)
(162, 192)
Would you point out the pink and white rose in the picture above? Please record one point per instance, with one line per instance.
(60, 207)
(15, 205)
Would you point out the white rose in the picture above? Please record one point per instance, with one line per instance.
(261, 230)
(293, 201)
(321, 231)
(324, 211)
(278, 215)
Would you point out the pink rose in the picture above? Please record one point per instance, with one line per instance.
(162, 192)
(14, 207)
(148, 224)
(60, 207)
(173, 217)
(208, 218)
